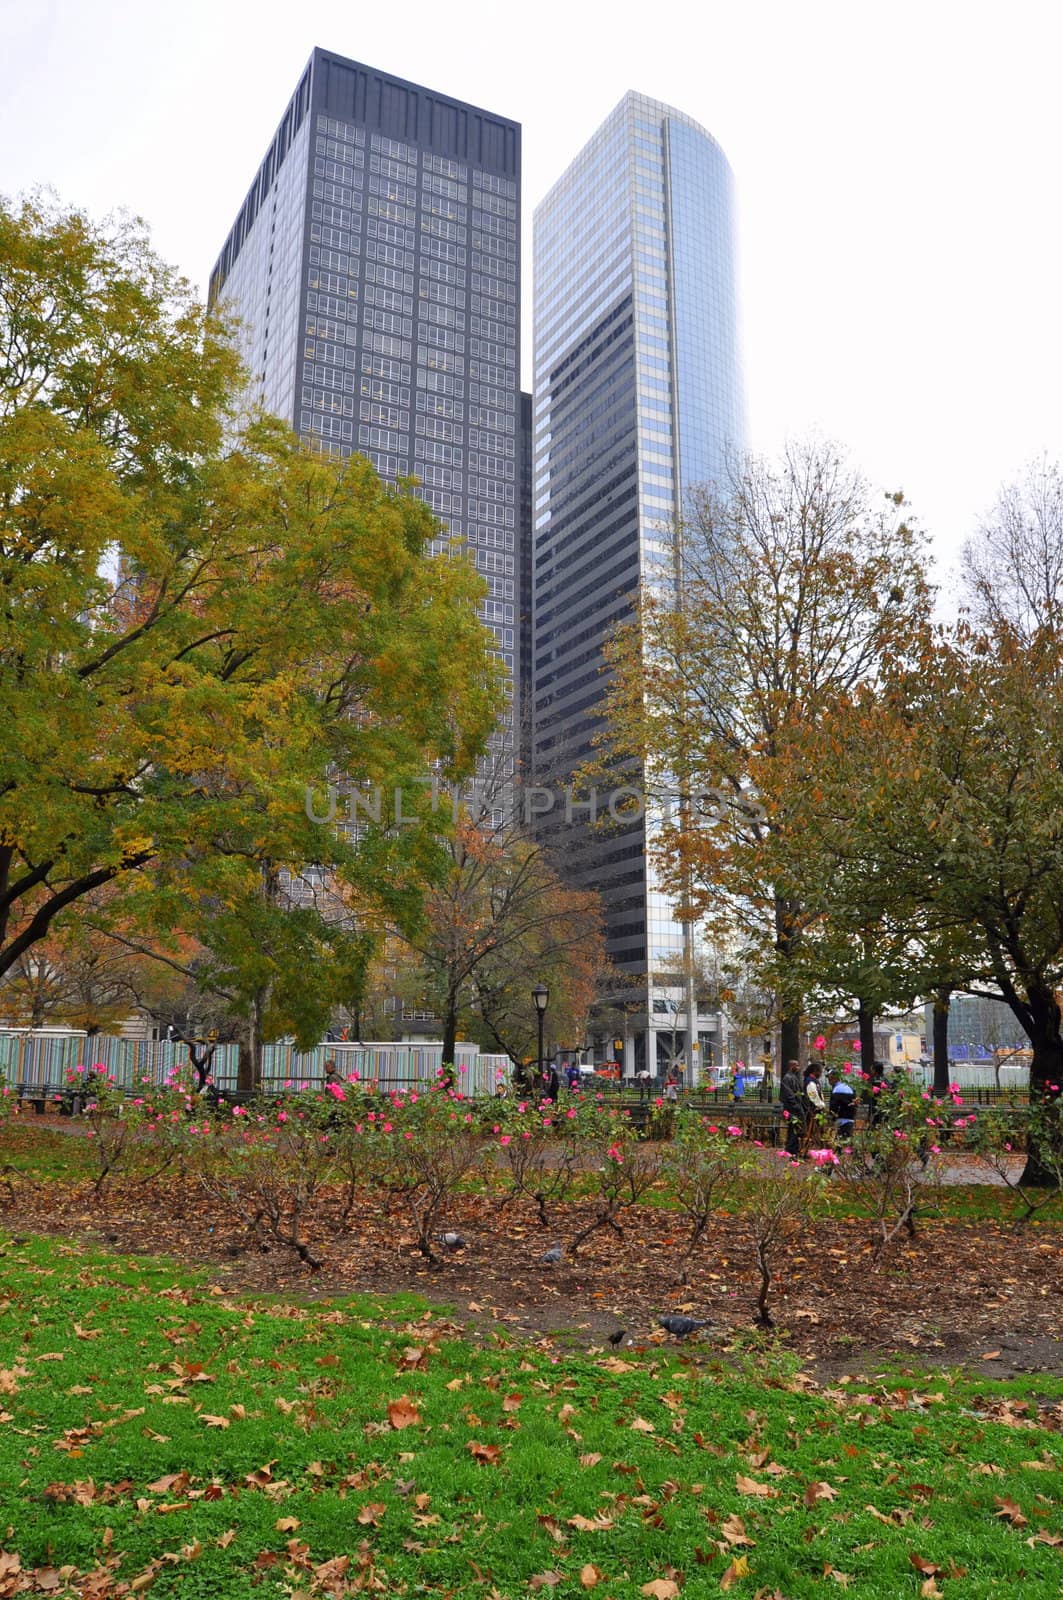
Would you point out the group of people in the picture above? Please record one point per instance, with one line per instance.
(810, 1106)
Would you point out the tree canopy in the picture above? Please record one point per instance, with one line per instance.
(200, 623)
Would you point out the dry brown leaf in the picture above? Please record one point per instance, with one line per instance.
(511, 1402)
(929, 1569)
(370, 1514)
(402, 1413)
(661, 1589)
(640, 1425)
(734, 1531)
(591, 1459)
(546, 1580)
(490, 1454)
(1010, 1512)
(819, 1491)
(589, 1575)
(739, 1568)
(930, 1591)
(225, 1539)
(590, 1524)
(750, 1486)
(286, 1524)
(213, 1422)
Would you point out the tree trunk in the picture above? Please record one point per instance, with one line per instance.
(450, 1030)
(865, 1019)
(942, 1003)
(249, 1068)
(1046, 1079)
(787, 936)
(789, 1041)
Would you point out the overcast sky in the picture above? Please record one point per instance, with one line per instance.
(897, 167)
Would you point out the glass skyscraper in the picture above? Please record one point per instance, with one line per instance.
(638, 397)
(375, 267)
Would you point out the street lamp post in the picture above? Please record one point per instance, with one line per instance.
(540, 996)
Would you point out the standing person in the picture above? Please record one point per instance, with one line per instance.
(551, 1083)
(841, 1104)
(874, 1090)
(738, 1087)
(817, 1109)
(572, 1075)
(643, 1079)
(331, 1072)
(671, 1088)
(791, 1094)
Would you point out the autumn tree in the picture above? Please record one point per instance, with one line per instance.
(198, 627)
(78, 977)
(789, 589)
(499, 920)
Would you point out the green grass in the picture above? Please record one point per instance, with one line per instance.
(32, 1149)
(304, 1388)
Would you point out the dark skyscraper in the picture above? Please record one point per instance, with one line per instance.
(375, 266)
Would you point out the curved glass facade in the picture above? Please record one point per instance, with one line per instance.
(638, 397)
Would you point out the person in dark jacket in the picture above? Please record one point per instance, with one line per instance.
(841, 1104)
(550, 1083)
(874, 1091)
(791, 1093)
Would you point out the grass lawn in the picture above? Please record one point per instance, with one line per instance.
(158, 1436)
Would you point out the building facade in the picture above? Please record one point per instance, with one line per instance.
(375, 267)
(638, 397)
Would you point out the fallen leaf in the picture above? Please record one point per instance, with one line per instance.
(660, 1589)
(1010, 1512)
(734, 1531)
(546, 1580)
(370, 1514)
(590, 1575)
(819, 1491)
(739, 1568)
(590, 1524)
(751, 1486)
(491, 1454)
(225, 1539)
(590, 1460)
(929, 1569)
(640, 1425)
(930, 1591)
(213, 1422)
(286, 1524)
(402, 1413)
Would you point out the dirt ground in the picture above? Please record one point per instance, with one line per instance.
(980, 1294)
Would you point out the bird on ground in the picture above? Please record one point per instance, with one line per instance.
(616, 1338)
(452, 1241)
(681, 1327)
(553, 1255)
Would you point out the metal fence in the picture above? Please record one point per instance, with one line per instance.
(42, 1060)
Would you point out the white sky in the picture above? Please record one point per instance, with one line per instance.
(898, 172)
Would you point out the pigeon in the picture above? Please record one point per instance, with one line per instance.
(452, 1241)
(680, 1327)
(615, 1338)
(553, 1255)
